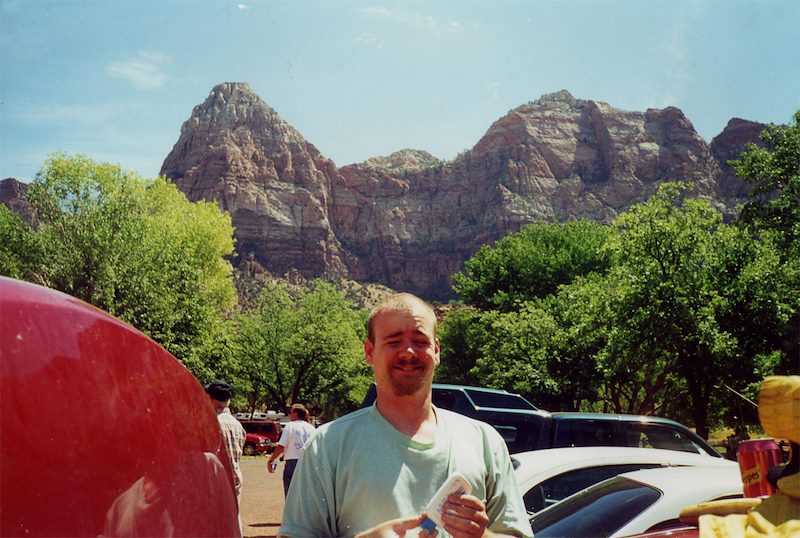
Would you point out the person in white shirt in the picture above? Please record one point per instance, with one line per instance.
(294, 437)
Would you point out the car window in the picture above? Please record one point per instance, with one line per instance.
(597, 511)
(453, 400)
(584, 433)
(658, 436)
(563, 485)
(494, 399)
(263, 428)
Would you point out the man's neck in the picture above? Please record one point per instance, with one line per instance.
(410, 415)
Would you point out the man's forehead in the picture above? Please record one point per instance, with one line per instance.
(391, 321)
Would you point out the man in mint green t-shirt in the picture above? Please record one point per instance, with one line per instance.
(371, 473)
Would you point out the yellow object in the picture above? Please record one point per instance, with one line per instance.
(779, 407)
(779, 515)
(724, 507)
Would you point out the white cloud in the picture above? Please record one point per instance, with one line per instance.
(243, 7)
(494, 89)
(419, 21)
(145, 70)
(678, 75)
(376, 11)
(370, 40)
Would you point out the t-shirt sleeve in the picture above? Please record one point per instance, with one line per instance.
(310, 508)
(284, 438)
(504, 504)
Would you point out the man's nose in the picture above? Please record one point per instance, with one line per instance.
(407, 349)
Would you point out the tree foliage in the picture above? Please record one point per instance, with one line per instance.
(531, 263)
(774, 174)
(773, 214)
(302, 345)
(683, 306)
(135, 248)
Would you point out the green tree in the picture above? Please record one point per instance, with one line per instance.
(20, 253)
(773, 213)
(774, 173)
(303, 345)
(135, 248)
(531, 264)
(677, 266)
(515, 353)
(581, 311)
(461, 334)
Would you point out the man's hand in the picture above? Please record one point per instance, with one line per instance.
(397, 528)
(465, 516)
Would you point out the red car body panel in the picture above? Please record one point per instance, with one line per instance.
(102, 431)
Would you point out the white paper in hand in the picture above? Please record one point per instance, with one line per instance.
(435, 509)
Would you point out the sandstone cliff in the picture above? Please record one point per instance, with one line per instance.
(12, 195)
(409, 220)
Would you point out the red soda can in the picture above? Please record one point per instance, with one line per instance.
(756, 457)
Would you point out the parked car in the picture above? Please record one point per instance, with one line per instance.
(601, 429)
(549, 475)
(104, 433)
(641, 501)
(256, 444)
(524, 427)
(261, 436)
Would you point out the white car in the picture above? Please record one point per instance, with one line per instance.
(636, 502)
(550, 475)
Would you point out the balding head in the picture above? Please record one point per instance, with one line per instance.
(404, 302)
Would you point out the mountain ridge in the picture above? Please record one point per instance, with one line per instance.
(409, 220)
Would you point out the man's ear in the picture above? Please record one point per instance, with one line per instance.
(368, 348)
(436, 351)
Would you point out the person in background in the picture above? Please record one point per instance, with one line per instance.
(232, 431)
(371, 473)
(294, 437)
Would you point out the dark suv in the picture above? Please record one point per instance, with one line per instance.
(261, 436)
(521, 424)
(525, 427)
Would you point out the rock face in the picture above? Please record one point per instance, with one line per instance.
(409, 220)
(12, 195)
(728, 145)
(234, 149)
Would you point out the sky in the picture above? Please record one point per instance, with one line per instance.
(115, 80)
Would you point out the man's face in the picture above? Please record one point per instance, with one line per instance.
(405, 352)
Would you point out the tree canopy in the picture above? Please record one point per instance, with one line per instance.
(302, 344)
(531, 263)
(658, 319)
(135, 248)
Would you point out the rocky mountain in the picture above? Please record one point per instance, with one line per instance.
(728, 145)
(12, 195)
(409, 220)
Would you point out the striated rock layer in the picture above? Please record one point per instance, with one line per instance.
(409, 220)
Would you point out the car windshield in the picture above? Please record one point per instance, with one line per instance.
(597, 511)
(483, 398)
(561, 486)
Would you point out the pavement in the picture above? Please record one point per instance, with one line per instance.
(261, 505)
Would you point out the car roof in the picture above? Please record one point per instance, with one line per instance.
(538, 465)
(701, 477)
(574, 415)
(469, 387)
(92, 414)
(681, 487)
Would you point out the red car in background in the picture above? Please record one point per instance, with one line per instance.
(102, 432)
